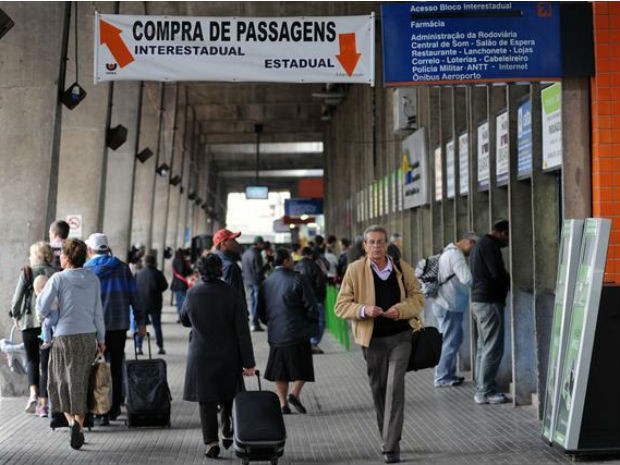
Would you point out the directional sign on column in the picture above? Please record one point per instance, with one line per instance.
(338, 49)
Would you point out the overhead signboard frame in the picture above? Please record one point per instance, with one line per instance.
(334, 49)
(470, 42)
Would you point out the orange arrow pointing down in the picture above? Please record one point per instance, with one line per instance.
(111, 36)
(348, 57)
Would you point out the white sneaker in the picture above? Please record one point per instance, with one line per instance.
(31, 405)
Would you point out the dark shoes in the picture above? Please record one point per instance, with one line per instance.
(114, 414)
(212, 451)
(286, 410)
(294, 401)
(77, 436)
(139, 351)
(161, 351)
(256, 328)
(391, 457)
(316, 350)
(102, 420)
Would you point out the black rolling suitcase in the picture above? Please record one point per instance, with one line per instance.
(147, 395)
(259, 432)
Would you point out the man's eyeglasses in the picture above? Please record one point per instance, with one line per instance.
(378, 242)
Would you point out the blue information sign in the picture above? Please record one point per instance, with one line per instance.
(303, 206)
(524, 140)
(461, 42)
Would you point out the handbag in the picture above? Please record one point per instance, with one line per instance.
(100, 387)
(15, 353)
(425, 348)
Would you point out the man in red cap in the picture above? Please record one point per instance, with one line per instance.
(228, 249)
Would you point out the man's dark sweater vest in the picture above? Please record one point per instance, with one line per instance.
(387, 294)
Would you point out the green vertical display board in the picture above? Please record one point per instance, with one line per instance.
(338, 327)
(568, 262)
(580, 337)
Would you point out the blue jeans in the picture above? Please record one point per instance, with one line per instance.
(489, 319)
(254, 304)
(317, 339)
(179, 297)
(155, 320)
(450, 324)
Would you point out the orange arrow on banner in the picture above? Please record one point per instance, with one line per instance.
(111, 36)
(348, 57)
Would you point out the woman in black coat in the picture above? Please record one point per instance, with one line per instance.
(220, 350)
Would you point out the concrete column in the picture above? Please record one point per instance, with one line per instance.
(478, 201)
(173, 195)
(120, 169)
(145, 172)
(434, 140)
(522, 269)
(447, 134)
(459, 125)
(164, 155)
(83, 139)
(576, 159)
(546, 226)
(30, 66)
(498, 196)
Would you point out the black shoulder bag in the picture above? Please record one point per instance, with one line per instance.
(425, 343)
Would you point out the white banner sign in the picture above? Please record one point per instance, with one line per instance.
(450, 176)
(502, 150)
(551, 104)
(414, 171)
(438, 176)
(464, 163)
(484, 170)
(337, 49)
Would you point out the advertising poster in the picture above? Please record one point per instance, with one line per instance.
(503, 151)
(400, 195)
(450, 175)
(279, 49)
(438, 175)
(578, 346)
(524, 140)
(551, 106)
(386, 194)
(464, 164)
(484, 170)
(414, 170)
(470, 42)
(568, 262)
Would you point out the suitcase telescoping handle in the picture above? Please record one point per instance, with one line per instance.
(257, 373)
(135, 344)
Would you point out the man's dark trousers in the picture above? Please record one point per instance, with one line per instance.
(115, 351)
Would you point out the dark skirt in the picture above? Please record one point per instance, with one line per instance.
(290, 363)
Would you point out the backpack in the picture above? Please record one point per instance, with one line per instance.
(427, 272)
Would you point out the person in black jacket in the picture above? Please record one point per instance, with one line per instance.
(491, 283)
(228, 249)
(254, 269)
(180, 271)
(220, 350)
(286, 302)
(308, 267)
(151, 283)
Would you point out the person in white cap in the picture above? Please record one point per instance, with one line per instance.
(118, 294)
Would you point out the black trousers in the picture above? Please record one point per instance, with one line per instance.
(208, 421)
(45, 361)
(31, 345)
(114, 353)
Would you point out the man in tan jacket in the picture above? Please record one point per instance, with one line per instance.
(383, 302)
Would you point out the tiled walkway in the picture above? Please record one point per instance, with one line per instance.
(442, 426)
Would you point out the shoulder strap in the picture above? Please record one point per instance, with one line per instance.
(402, 276)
